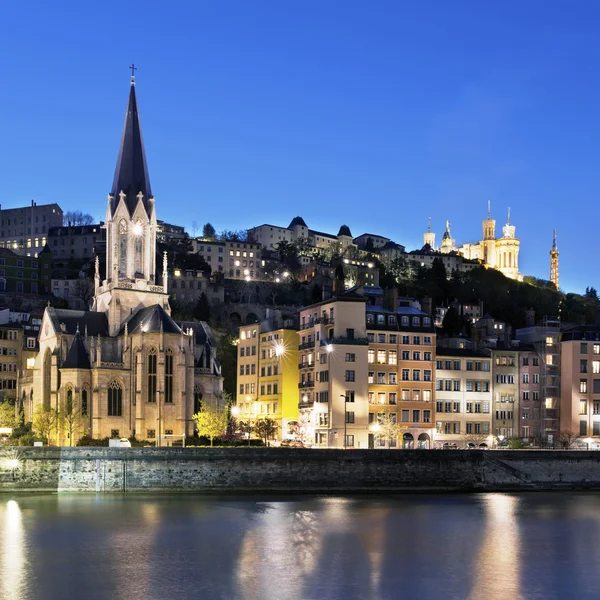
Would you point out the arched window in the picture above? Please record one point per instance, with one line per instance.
(47, 376)
(152, 360)
(169, 376)
(197, 399)
(69, 401)
(115, 399)
(122, 247)
(138, 230)
(84, 402)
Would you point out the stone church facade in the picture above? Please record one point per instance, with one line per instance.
(126, 367)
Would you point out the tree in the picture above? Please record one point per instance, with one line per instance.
(76, 217)
(453, 323)
(84, 290)
(71, 418)
(246, 428)
(265, 429)
(369, 244)
(8, 416)
(209, 232)
(388, 428)
(211, 422)
(233, 235)
(202, 308)
(568, 439)
(44, 421)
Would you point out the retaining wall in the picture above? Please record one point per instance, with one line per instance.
(295, 470)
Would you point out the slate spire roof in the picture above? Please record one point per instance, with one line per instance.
(77, 358)
(131, 174)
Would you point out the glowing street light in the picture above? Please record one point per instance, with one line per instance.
(279, 350)
(235, 411)
(329, 348)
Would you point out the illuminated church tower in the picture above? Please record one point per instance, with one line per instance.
(554, 262)
(429, 237)
(130, 232)
(489, 238)
(448, 244)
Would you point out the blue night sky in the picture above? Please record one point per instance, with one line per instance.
(374, 114)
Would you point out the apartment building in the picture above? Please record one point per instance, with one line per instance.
(11, 349)
(77, 241)
(401, 358)
(20, 274)
(506, 394)
(25, 229)
(332, 375)
(464, 399)
(186, 286)
(272, 371)
(531, 422)
(580, 383)
(236, 260)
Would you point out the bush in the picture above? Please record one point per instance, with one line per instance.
(194, 441)
(87, 440)
(29, 438)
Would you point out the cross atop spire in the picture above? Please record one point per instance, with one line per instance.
(133, 70)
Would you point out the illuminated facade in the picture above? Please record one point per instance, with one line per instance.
(267, 380)
(501, 254)
(125, 368)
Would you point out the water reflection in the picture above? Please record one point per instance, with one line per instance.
(497, 568)
(13, 556)
(522, 547)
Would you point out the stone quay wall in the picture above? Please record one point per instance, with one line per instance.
(295, 470)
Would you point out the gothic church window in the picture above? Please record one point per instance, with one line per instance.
(138, 246)
(122, 247)
(84, 402)
(169, 376)
(152, 362)
(115, 399)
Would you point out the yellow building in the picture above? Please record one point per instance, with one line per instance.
(268, 375)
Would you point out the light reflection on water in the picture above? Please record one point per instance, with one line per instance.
(521, 547)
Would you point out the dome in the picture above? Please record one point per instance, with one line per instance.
(344, 230)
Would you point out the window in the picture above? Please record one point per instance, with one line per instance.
(169, 376)
(583, 349)
(349, 441)
(371, 355)
(349, 416)
(596, 366)
(583, 427)
(152, 359)
(381, 378)
(583, 407)
(416, 375)
(405, 374)
(84, 402)
(350, 376)
(525, 377)
(115, 399)
(583, 366)
(583, 386)
(371, 377)
(392, 357)
(350, 357)
(381, 358)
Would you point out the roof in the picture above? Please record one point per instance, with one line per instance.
(95, 322)
(297, 221)
(581, 333)
(460, 352)
(131, 173)
(391, 246)
(150, 319)
(77, 357)
(344, 230)
(45, 250)
(374, 235)
(321, 233)
(202, 332)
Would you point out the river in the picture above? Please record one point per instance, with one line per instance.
(413, 547)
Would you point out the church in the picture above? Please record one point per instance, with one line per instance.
(125, 367)
(501, 253)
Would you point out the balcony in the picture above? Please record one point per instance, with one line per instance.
(303, 385)
(305, 365)
(348, 341)
(318, 321)
(306, 404)
(306, 346)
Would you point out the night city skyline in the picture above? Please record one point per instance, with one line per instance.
(375, 118)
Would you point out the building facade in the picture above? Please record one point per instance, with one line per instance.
(464, 399)
(77, 241)
(25, 230)
(22, 274)
(506, 394)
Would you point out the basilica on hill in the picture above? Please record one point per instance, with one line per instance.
(495, 253)
(126, 367)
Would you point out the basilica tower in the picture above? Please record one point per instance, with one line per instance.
(429, 237)
(554, 262)
(489, 238)
(130, 232)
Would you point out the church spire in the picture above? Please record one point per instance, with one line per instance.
(131, 173)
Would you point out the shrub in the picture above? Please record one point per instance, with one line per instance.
(87, 440)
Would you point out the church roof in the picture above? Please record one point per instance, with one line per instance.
(149, 320)
(94, 323)
(77, 357)
(131, 174)
(202, 332)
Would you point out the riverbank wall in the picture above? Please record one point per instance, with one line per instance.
(295, 470)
